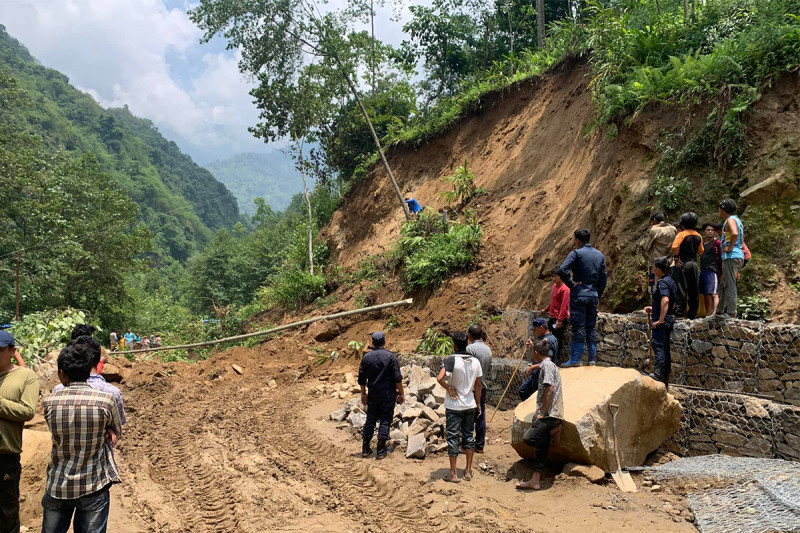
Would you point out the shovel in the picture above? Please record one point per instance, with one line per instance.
(623, 479)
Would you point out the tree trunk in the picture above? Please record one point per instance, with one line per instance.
(540, 23)
(658, 7)
(375, 138)
(308, 206)
(372, 23)
(511, 27)
(686, 11)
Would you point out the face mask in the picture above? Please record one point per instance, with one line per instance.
(100, 367)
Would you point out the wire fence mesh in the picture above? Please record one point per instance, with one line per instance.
(761, 496)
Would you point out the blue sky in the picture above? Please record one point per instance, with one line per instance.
(146, 54)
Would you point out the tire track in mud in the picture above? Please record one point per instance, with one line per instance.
(190, 443)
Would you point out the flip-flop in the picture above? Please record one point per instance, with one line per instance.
(467, 476)
(450, 479)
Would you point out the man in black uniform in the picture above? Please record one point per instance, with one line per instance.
(661, 312)
(379, 371)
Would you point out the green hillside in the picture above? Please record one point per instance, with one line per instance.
(270, 176)
(181, 203)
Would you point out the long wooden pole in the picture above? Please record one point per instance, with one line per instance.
(16, 313)
(275, 330)
(496, 407)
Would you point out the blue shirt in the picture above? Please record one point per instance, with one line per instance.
(553, 342)
(737, 252)
(588, 267)
(414, 206)
(379, 371)
(666, 286)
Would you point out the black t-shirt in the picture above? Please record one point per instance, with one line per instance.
(379, 371)
(665, 287)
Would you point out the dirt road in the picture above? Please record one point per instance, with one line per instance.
(209, 450)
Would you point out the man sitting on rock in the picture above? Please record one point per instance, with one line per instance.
(663, 319)
(461, 376)
(542, 333)
(549, 413)
(380, 372)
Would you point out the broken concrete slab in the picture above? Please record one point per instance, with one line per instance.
(439, 393)
(357, 420)
(398, 436)
(419, 426)
(647, 417)
(338, 416)
(411, 413)
(429, 413)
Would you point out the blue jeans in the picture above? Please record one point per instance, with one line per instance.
(460, 430)
(583, 318)
(662, 340)
(91, 513)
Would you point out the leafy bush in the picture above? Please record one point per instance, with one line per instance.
(670, 191)
(45, 331)
(432, 249)
(292, 287)
(436, 343)
(464, 189)
(754, 308)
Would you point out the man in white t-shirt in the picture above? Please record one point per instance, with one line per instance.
(461, 375)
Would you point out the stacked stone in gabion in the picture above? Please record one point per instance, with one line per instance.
(779, 374)
(723, 355)
(611, 342)
(787, 431)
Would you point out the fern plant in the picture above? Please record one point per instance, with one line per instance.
(463, 187)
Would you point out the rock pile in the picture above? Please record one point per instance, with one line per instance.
(418, 425)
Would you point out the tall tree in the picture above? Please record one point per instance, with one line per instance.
(278, 37)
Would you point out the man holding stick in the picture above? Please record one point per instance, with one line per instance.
(662, 320)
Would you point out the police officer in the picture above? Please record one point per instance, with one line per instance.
(587, 267)
(663, 319)
(380, 372)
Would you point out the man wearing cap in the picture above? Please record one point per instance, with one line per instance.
(542, 333)
(19, 394)
(584, 272)
(380, 372)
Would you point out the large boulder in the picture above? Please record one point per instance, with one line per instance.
(647, 416)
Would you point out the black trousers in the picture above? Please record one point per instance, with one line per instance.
(662, 339)
(558, 333)
(538, 437)
(10, 472)
(379, 409)
(687, 277)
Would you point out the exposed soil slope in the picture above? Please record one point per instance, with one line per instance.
(545, 178)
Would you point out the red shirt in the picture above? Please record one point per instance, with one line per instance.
(559, 302)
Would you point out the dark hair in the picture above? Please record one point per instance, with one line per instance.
(92, 344)
(728, 205)
(582, 235)
(82, 329)
(75, 361)
(709, 225)
(658, 216)
(661, 263)
(377, 343)
(460, 340)
(689, 220)
(542, 348)
(476, 331)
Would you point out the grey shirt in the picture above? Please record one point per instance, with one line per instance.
(549, 375)
(482, 353)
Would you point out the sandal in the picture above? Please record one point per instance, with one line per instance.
(467, 476)
(450, 479)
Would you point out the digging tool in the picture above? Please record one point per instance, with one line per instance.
(623, 479)
(650, 343)
(509, 383)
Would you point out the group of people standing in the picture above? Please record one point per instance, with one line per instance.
(85, 414)
(132, 340)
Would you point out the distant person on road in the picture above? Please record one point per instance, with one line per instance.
(86, 424)
(584, 272)
(113, 340)
(558, 312)
(662, 320)
(732, 257)
(461, 375)
(659, 242)
(479, 350)
(549, 413)
(542, 333)
(95, 379)
(686, 248)
(380, 372)
(413, 205)
(19, 394)
(710, 269)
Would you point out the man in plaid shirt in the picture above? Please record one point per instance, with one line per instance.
(85, 424)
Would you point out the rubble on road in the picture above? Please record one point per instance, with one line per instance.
(418, 425)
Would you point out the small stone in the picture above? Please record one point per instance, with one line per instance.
(357, 420)
(647, 483)
(430, 401)
(239, 370)
(397, 436)
(411, 413)
(343, 394)
(590, 472)
(419, 426)
(350, 379)
(439, 393)
(441, 410)
(416, 446)
(429, 413)
(656, 488)
(272, 384)
(338, 416)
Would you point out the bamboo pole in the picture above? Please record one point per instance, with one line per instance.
(496, 407)
(274, 330)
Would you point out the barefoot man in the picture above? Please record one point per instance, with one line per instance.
(549, 413)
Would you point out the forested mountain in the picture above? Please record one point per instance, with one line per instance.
(181, 203)
(271, 176)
